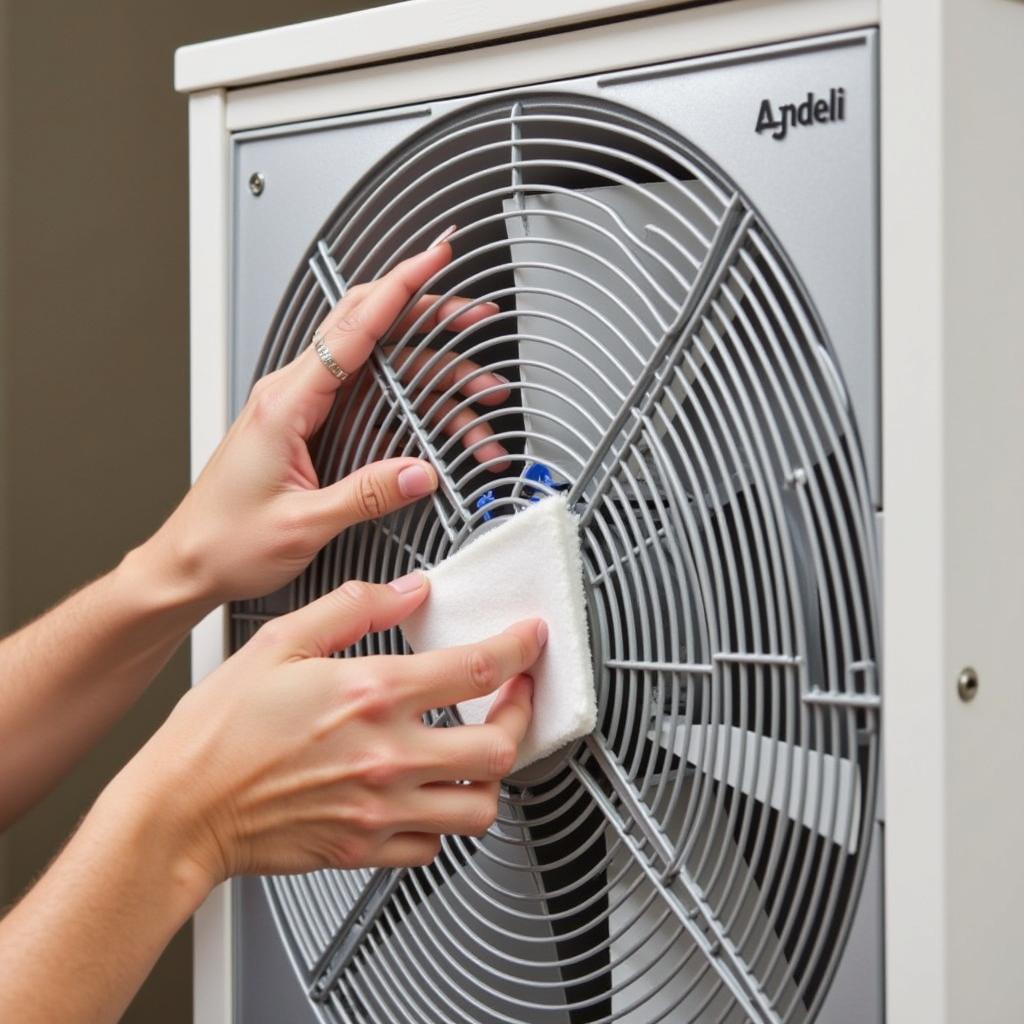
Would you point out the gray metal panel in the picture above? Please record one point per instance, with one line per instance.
(267, 990)
(817, 189)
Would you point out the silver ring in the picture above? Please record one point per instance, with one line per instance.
(328, 360)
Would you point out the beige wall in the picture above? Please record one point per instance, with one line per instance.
(93, 349)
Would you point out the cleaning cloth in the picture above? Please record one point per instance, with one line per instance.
(527, 567)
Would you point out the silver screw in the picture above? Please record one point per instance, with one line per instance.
(257, 183)
(967, 684)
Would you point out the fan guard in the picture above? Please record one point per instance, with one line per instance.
(698, 858)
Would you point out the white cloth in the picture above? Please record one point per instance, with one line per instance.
(527, 567)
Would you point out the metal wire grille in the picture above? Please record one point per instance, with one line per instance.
(699, 857)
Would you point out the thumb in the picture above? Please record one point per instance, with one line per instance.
(370, 492)
(338, 619)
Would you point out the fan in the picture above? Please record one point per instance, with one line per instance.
(699, 856)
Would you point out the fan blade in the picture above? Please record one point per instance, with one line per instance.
(563, 864)
(743, 760)
(679, 986)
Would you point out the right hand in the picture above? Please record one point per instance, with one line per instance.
(260, 490)
(287, 760)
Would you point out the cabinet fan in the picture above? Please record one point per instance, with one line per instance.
(698, 857)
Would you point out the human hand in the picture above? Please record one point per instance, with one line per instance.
(288, 760)
(257, 515)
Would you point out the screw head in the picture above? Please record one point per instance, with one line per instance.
(257, 183)
(967, 684)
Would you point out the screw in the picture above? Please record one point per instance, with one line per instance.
(967, 684)
(257, 183)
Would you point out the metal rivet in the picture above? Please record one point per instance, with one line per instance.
(257, 183)
(967, 684)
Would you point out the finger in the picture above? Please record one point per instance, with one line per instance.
(475, 433)
(450, 370)
(453, 810)
(461, 309)
(407, 850)
(481, 753)
(436, 678)
(338, 619)
(472, 431)
(367, 493)
(463, 312)
(392, 440)
(354, 327)
(355, 294)
(513, 708)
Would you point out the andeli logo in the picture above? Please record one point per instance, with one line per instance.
(813, 110)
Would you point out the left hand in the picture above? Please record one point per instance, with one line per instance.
(257, 514)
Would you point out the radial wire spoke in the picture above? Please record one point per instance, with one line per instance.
(718, 950)
(635, 407)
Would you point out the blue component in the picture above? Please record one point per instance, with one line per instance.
(483, 501)
(538, 473)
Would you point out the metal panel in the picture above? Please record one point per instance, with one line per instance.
(816, 189)
(268, 992)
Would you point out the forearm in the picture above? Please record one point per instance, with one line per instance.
(68, 676)
(82, 940)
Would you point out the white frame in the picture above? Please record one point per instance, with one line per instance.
(952, 163)
(209, 211)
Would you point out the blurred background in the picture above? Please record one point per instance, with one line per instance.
(94, 340)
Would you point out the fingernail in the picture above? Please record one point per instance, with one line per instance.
(408, 583)
(501, 377)
(497, 309)
(415, 481)
(444, 236)
(542, 632)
